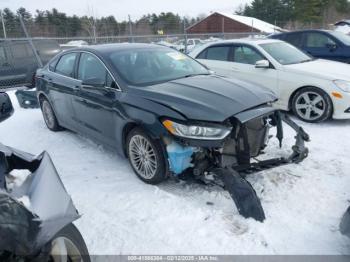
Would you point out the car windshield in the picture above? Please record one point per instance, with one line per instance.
(154, 65)
(341, 37)
(285, 53)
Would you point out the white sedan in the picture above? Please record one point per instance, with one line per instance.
(314, 89)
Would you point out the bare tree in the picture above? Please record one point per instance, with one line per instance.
(89, 23)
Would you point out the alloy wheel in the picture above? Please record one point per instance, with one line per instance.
(310, 106)
(48, 114)
(143, 157)
(64, 250)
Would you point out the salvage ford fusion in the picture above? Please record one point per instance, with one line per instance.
(167, 114)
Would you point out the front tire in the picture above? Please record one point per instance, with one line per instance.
(312, 105)
(146, 157)
(49, 116)
(69, 245)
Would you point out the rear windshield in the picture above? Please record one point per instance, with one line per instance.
(341, 37)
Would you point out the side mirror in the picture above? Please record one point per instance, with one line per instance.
(262, 64)
(331, 47)
(6, 108)
(94, 82)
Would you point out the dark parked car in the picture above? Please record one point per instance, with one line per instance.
(166, 113)
(324, 44)
(18, 63)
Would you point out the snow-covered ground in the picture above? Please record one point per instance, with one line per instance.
(122, 215)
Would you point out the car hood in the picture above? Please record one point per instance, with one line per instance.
(321, 68)
(206, 98)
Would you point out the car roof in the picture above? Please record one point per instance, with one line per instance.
(304, 31)
(106, 49)
(256, 41)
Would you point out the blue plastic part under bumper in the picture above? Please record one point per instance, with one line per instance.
(179, 157)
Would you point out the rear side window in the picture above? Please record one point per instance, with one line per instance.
(294, 39)
(66, 65)
(3, 58)
(53, 64)
(21, 50)
(220, 53)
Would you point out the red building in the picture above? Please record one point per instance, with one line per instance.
(228, 23)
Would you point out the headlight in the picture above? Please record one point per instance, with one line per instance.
(343, 85)
(197, 132)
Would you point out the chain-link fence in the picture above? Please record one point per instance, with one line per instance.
(19, 62)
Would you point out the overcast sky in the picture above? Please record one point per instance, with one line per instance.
(121, 8)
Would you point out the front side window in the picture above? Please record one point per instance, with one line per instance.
(147, 66)
(92, 70)
(246, 55)
(317, 40)
(66, 65)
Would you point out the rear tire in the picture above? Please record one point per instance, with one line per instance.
(146, 157)
(312, 105)
(49, 115)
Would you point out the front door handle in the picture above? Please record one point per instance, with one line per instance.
(76, 88)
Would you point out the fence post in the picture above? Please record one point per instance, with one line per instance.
(38, 59)
(3, 24)
(130, 29)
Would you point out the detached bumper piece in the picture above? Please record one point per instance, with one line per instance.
(27, 98)
(27, 226)
(233, 177)
(242, 193)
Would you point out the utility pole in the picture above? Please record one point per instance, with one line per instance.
(3, 24)
(130, 29)
(223, 26)
(38, 59)
(185, 35)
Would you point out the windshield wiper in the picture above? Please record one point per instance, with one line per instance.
(307, 60)
(192, 75)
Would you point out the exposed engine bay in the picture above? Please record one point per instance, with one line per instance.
(227, 165)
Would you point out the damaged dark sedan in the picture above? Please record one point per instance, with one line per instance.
(168, 114)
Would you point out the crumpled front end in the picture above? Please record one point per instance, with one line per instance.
(226, 162)
(247, 140)
(34, 211)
